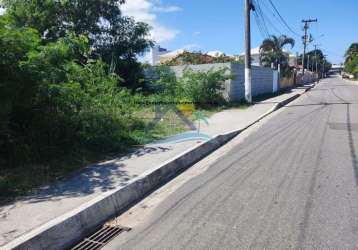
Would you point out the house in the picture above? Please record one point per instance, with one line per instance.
(216, 53)
(155, 54)
(160, 55)
(255, 57)
(171, 55)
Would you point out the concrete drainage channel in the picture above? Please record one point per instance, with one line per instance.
(69, 229)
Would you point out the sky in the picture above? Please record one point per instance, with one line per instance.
(211, 25)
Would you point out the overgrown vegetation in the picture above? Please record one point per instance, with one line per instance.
(67, 70)
(199, 58)
(203, 89)
(351, 63)
(69, 81)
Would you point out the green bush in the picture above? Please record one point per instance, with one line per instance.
(356, 73)
(64, 107)
(167, 81)
(203, 88)
(62, 98)
(352, 65)
(64, 113)
(117, 43)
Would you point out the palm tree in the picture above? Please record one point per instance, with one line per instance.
(352, 52)
(200, 116)
(271, 50)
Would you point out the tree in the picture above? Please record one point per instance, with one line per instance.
(351, 63)
(200, 116)
(55, 103)
(352, 66)
(119, 44)
(271, 51)
(352, 52)
(53, 19)
(15, 43)
(113, 37)
(316, 56)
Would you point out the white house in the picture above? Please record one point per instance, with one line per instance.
(160, 55)
(155, 54)
(255, 55)
(215, 53)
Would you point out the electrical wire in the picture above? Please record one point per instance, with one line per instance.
(260, 26)
(265, 17)
(260, 21)
(276, 18)
(282, 19)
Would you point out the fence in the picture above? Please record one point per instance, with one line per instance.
(264, 80)
(287, 82)
(308, 77)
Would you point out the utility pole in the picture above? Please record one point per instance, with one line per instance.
(315, 56)
(308, 62)
(297, 55)
(306, 40)
(248, 76)
(324, 65)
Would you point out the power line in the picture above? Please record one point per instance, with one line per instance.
(259, 15)
(260, 19)
(264, 16)
(276, 18)
(260, 26)
(282, 19)
(260, 22)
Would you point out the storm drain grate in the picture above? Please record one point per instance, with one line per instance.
(100, 238)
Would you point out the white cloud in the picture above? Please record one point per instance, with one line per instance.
(145, 11)
(196, 33)
(167, 9)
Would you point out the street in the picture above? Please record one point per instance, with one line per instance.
(291, 184)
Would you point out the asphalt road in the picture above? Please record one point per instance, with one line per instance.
(292, 184)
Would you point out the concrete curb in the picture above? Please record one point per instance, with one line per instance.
(66, 230)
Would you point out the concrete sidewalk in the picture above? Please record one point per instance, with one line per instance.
(350, 81)
(55, 200)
